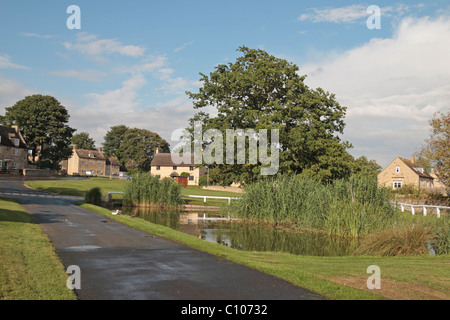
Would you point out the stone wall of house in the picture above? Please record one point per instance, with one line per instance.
(166, 171)
(17, 158)
(405, 175)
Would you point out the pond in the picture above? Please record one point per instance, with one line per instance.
(242, 236)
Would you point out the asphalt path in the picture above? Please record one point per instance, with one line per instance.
(117, 262)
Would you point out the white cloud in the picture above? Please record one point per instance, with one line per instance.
(391, 87)
(90, 44)
(120, 100)
(11, 92)
(5, 63)
(35, 35)
(336, 15)
(84, 75)
(183, 46)
(350, 14)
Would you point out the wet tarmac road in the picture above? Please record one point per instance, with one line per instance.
(121, 263)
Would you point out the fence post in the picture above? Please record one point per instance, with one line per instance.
(438, 212)
(412, 210)
(424, 210)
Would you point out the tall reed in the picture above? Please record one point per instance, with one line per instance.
(147, 190)
(344, 207)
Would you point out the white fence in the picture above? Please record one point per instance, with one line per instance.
(210, 197)
(423, 206)
(192, 196)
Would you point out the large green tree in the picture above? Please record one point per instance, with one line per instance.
(83, 141)
(260, 91)
(437, 147)
(133, 147)
(43, 122)
(113, 139)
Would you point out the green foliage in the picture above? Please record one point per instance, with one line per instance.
(146, 190)
(436, 151)
(133, 147)
(94, 196)
(83, 141)
(203, 181)
(185, 174)
(260, 91)
(351, 206)
(43, 122)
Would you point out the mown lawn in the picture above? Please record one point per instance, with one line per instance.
(29, 266)
(79, 188)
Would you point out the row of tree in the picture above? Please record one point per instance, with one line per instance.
(43, 122)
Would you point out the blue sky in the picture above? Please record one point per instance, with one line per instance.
(132, 61)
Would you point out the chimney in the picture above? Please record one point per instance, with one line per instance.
(74, 147)
(413, 161)
(100, 149)
(157, 150)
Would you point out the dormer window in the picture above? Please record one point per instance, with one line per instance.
(91, 155)
(16, 142)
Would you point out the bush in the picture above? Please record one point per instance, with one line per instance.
(343, 207)
(94, 196)
(146, 190)
(408, 239)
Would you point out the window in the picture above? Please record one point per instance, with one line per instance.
(158, 168)
(16, 152)
(158, 176)
(191, 168)
(15, 166)
(397, 184)
(1, 164)
(99, 171)
(83, 170)
(397, 169)
(174, 167)
(16, 142)
(191, 178)
(99, 164)
(92, 163)
(84, 163)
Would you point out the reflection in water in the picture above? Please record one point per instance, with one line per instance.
(244, 236)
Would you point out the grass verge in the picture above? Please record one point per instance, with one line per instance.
(342, 278)
(29, 266)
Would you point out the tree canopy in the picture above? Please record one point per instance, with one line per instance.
(436, 150)
(83, 141)
(133, 147)
(43, 122)
(260, 91)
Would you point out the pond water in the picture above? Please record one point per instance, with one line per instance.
(249, 237)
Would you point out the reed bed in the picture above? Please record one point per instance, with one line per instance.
(146, 190)
(350, 206)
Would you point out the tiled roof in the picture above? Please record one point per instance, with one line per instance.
(165, 160)
(8, 132)
(413, 166)
(90, 154)
(112, 161)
